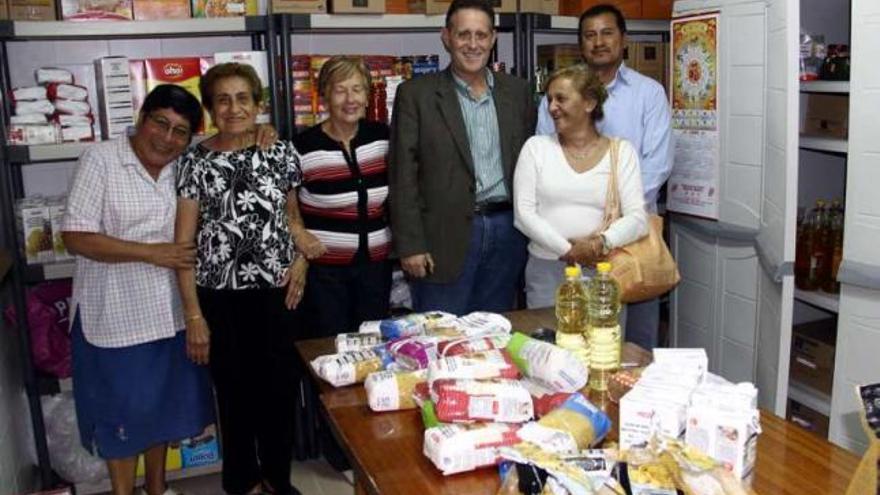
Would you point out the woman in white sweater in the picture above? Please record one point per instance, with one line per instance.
(561, 183)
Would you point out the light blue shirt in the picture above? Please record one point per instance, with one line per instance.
(481, 122)
(636, 110)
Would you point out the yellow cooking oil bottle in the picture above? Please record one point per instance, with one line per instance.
(604, 327)
(571, 315)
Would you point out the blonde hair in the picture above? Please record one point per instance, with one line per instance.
(586, 82)
(339, 68)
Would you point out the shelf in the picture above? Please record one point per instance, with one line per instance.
(810, 397)
(53, 30)
(825, 87)
(834, 145)
(37, 153)
(381, 23)
(50, 271)
(820, 299)
(104, 485)
(566, 23)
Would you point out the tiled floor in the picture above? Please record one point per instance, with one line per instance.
(314, 477)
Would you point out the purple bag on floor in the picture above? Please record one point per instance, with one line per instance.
(48, 315)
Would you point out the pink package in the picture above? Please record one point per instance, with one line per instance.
(411, 353)
(468, 346)
(48, 308)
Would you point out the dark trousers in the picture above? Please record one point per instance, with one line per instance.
(339, 298)
(254, 371)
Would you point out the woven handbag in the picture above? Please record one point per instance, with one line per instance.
(644, 268)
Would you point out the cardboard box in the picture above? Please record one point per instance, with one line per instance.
(812, 354)
(807, 418)
(357, 6)
(298, 7)
(550, 7)
(827, 115)
(200, 450)
(146, 10)
(657, 9)
(223, 8)
(31, 10)
(631, 9)
(404, 6)
(115, 100)
(4, 9)
(83, 10)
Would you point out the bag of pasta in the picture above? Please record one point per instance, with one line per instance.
(456, 448)
(504, 401)
(351, 367)
(478, 366)
(390, 391)
(578, 417)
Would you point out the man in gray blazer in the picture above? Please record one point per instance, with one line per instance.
(455, 139)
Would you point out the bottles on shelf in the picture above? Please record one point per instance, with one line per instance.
(604, 327)
(819, 248)
(571, 315)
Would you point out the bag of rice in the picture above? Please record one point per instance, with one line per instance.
(390, 391)
(470, 345)
(503, 401)
(350, 342)
(552, 365)
(479, 366)
(414, 324)
(350, 367)
(482, 323)
(544, 398)
(456, 448)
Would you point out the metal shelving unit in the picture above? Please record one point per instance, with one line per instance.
(262, 33)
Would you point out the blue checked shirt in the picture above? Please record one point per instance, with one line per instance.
(481, 122)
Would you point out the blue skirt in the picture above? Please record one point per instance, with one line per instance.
(129, 399)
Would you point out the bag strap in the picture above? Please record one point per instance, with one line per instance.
(612, 196)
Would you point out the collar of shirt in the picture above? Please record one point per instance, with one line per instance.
(465, 90)
(128, 158)
(623, 75)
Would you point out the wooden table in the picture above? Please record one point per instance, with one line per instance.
(385, 449)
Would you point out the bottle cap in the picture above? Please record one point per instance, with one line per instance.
(572, 271)
(603, 267)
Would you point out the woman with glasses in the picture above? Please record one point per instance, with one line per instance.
(134, 387)
(236, 203)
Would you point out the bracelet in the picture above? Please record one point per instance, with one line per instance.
(193, 317)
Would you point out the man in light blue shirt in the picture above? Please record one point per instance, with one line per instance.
(637, 110)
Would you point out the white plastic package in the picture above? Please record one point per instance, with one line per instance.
(68, 457)
(457, 448)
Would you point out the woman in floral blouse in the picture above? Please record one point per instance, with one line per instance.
(235, 201)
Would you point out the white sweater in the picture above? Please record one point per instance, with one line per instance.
(553, 203)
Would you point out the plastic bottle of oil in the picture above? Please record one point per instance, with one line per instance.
(604, 329)
(571, 315)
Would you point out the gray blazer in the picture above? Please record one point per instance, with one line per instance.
(430, 169)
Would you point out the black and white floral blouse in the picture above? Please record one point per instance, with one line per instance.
(243, 237)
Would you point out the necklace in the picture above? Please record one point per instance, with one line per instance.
(585, 152)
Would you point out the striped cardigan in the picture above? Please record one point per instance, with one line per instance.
(342, 198)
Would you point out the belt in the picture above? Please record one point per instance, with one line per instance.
(494, 207)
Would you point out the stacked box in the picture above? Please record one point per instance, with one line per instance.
(298, 7)
(223, 8)
(185, 72)
(34, 224)
(146, 10)
(31, 10)
(357, 6)
(84, 10)
(114, 95)
(304, 91)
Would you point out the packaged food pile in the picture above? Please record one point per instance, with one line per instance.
(38, 221)
(55, 110)
(490, 398)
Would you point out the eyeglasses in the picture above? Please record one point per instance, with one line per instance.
(161, 123)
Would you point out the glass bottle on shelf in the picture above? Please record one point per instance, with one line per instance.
(835, 247)
(820, 258)
(809, 252)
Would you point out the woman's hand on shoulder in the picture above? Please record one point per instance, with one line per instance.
(265, 136)
(198, 339)
(174, 255)
(295, 281)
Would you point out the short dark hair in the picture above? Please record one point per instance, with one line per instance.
(226, 70)
(176, 98)
(482, 5)
(596, 11)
